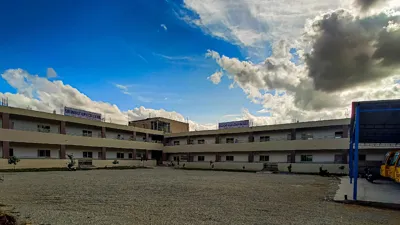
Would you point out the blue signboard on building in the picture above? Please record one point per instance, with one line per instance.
(234, 124)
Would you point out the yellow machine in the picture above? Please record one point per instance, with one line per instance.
(385, 165)
(397, 171)
(392, 165)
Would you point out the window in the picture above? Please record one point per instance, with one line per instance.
(43, 128)
(176, 158)
(130, 155)
(229, 157)
(229, 140)
(87, 133)
(190, 142)
(11, 152)
(44, 153)
(200, 158)
(264, 158)
(361, 157)
(200, 141)
(99, 155)
(87, 154)
(120, 155)
(339, 134)
(120, 137)
(176, 142)
(264, 138)
(306, 158)
(289, 137)
(305, 136)
(338, 158)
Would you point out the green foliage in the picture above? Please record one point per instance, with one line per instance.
(13, 160)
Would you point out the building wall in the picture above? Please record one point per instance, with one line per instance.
(175, 126)
(207, 139)
(140, 136)
(237, 157)
(112, 153)
(207, 157)
(273, 135)
(31, 152)
(124, 135)
(319, 156)
(319, 133)
(77, 130)
(178, 127)
(274, 157)
(30, 125)
(238, 138)
(77, 151)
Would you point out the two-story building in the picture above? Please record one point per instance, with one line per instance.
(29, 134)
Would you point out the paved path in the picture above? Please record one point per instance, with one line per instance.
(379, 191)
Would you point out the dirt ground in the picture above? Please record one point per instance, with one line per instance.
(168, 196)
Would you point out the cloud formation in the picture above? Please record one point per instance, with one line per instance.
(343, 57)
(164, 27)
(39, 93)
(348, 50)
(51, 73)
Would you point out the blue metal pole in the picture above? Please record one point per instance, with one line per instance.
(356, 139)
(351, 154)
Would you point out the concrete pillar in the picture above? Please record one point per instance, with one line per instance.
(62, 152)
(251, 137)
(217, 139)
(293, 156)
(6, 120)
(344, 156)
(62, 127)
(164, 156)
(133, 154)
(103, 153)
(6, 149)
(134, 135)
(251, 157)
(293, 134)
(345, 131)
(103, 132)
(217, 157)
(147, 137)
(146, 155)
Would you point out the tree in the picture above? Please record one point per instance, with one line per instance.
(13, 160)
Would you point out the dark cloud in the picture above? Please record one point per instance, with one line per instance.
(365, 5)
(350, 51)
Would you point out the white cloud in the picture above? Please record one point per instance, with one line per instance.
(216, 77)
(253, 23)
(41, 94)
(51, 73)
(164, 27)
(122, 87)
(173, 57)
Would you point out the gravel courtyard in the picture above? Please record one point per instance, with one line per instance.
(168, 196)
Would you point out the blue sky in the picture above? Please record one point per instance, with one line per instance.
(93, 45)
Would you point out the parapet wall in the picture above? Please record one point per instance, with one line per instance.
(62, 163)
(282, 167)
